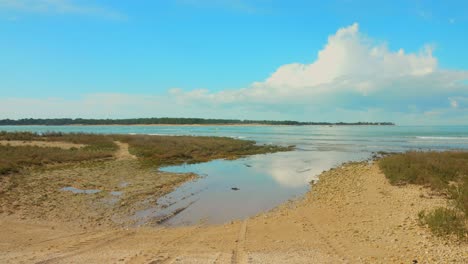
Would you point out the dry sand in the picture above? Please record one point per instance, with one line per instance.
(122, 153)
(63, 145)
(353, 215)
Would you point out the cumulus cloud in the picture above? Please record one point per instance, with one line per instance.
(354, 78)
(351, 72)
(349, 54)
(350, 62)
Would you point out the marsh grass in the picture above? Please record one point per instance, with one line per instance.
(444, 172)
(12, 159)
(150, 150)
(92, 141)
(172, 150)
(17, 135)
(445, 221)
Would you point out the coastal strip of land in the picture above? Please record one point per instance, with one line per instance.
(92, 181)
(174, 121)
(352, 215)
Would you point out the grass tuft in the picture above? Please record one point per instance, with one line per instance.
(444, 222)
(444, 172)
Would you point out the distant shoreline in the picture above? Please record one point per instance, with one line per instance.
(166, 121)
(197, 125)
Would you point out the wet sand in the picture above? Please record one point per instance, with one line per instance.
(353, 215)
(92, 194)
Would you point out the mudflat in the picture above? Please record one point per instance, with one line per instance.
(352, 215)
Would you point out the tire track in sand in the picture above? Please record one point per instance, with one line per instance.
(85, 246)
(331, 247)
(166, 253)
(188, 252)
(239, 256)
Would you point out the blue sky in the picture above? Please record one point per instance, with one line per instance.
(401, 61)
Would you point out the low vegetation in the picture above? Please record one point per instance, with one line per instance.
(444, 221)
(445, 173)
(12, 159)
(151, 150)
(171, 150)
(92, 141)
(125, 185)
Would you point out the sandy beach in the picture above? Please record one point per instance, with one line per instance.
(233, 132)
(352, 215)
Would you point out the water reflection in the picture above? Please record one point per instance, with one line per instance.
(295, 169)
(265, 181)
(76, 190)
(261, 182)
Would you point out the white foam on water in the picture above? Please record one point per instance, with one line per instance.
(442, 138)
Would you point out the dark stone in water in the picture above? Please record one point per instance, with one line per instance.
(235, 189)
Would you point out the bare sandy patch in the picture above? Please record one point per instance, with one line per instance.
(353, 215)
(122, 153)
(50, 144)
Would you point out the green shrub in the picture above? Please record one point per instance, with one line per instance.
(444, 172)
(444, 221)
(459, 193)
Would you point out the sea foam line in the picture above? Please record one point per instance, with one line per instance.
(447, 138)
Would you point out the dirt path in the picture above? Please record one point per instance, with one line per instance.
(122, 153)
(351, 216)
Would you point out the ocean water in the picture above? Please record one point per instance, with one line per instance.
(229, 190)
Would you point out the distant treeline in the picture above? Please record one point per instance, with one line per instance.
(170, 121)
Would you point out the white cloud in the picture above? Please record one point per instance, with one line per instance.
(349, 55)
(353, 79)
(58, 7)
(351, 65)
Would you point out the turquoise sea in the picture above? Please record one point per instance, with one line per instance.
(265, 181)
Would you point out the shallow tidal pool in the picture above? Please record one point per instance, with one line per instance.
(236, 189)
